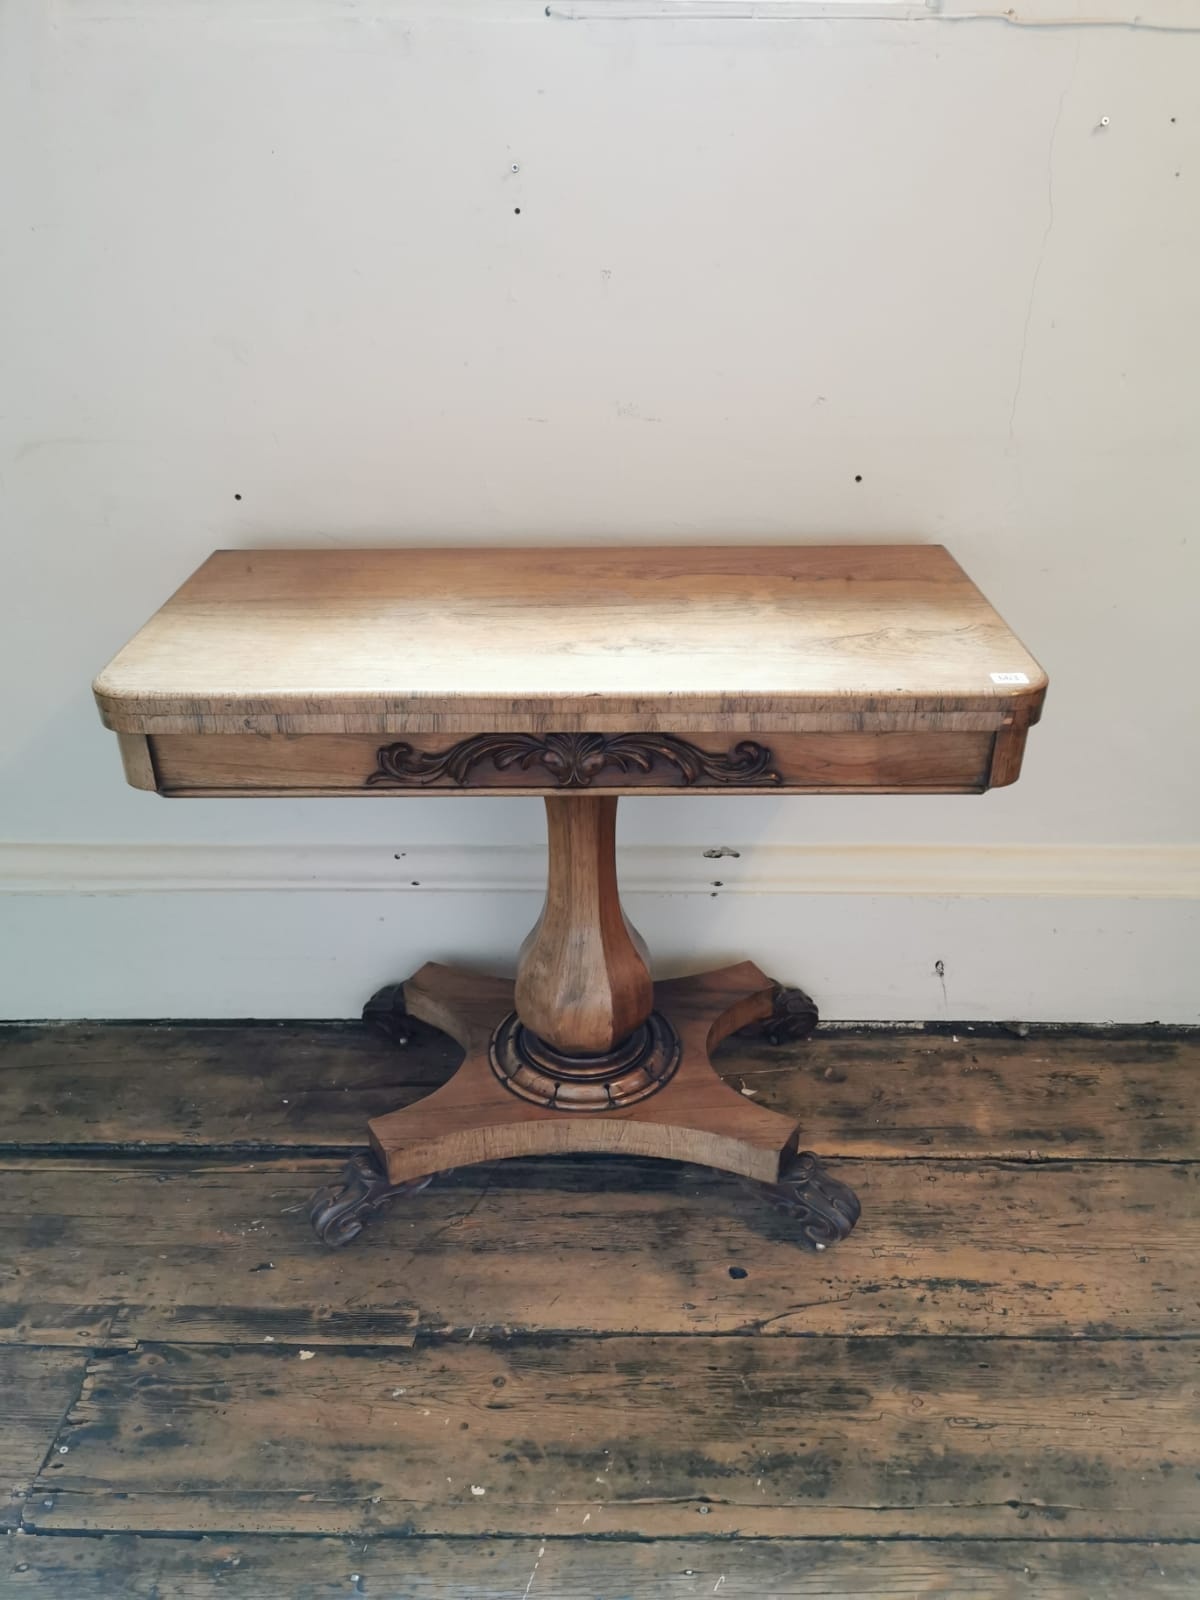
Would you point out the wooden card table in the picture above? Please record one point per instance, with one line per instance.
(578, 675)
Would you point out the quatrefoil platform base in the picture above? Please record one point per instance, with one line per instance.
(689, 1113)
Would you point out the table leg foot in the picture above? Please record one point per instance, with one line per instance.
(793, 1016)
(339, 1210)
(385, 1011)
(825, 1208)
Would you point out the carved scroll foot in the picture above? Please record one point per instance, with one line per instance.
(793, 1016)
(386, 1013)
(825, 1208)
(339, 1210)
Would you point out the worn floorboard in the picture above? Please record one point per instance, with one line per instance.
(637, 1436)
(989, 1390)
(262, 1568)
(305, 1085)
(116, 1252)
(36, 1388)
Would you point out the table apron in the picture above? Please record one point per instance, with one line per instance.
(713, 762)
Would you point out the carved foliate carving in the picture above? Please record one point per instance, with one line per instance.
(576, 760)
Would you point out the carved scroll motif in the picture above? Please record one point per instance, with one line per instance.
(575, 760)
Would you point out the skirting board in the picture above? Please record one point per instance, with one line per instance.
(1041, 933)
(1105, 871)
(862, 957)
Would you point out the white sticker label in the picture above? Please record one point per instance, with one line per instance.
(1009, 677)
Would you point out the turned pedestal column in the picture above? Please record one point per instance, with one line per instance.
(583, 975)
(584, 1035)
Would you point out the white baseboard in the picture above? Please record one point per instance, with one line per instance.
(1157, 872)
(1080, 935)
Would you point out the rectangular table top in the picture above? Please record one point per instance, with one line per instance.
(786, 636)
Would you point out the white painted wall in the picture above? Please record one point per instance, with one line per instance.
(264, 283)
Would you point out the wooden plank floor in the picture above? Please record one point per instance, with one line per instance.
(587, 1379)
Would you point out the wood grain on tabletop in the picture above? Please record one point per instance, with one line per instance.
(257, 638)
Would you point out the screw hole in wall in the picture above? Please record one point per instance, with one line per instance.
(858, 477)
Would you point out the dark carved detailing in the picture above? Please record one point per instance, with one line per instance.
(338, 1211)
(385, 1012)
(575, 760)
(634, 1070)
(825, 1208)
(793, 1016)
